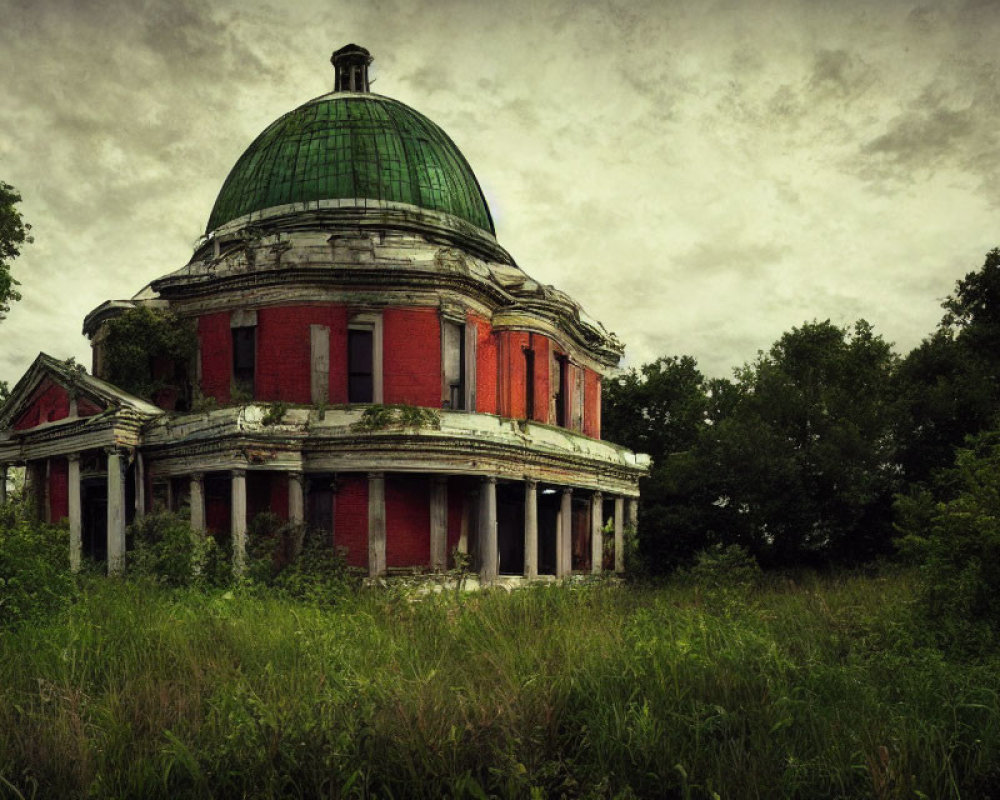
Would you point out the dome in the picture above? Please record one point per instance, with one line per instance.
(353, 145)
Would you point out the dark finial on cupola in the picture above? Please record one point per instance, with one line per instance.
(351, 66)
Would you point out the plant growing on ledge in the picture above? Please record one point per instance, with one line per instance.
(378, 417)
(275, 413)
(148, 352)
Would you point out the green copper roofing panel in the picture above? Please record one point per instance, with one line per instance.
(352, 146)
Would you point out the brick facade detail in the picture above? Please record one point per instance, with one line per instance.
(412, 356)
(350, 518)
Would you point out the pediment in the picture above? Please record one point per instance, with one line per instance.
(53, 390)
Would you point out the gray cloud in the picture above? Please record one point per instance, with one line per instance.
(700, 176)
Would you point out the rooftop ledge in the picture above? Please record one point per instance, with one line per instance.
(274, 421)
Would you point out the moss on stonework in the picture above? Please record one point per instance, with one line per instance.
(379, 417)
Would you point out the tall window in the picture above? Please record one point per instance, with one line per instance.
(529, 383)
(244, 359)
(562, 385)
(360, 365)
(577, 417)
(453, 365)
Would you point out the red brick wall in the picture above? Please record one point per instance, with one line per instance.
(58, 489)
(486, 366)
(592, 404)
(51, 403)
(85, 408)
(350, 519)
(216, 355)
(407, 521)
(284, 357)
(412, 356)
(279, 494)
(541, 346)
(513, 374)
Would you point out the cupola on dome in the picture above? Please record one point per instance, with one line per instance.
(352, 145)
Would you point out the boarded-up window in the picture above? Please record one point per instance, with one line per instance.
(319, 361)
(360, 383)
(453, 365)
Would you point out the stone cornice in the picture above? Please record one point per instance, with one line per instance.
(476, 444)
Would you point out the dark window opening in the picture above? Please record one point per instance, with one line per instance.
(244, 357)
(360, 378)
(529, 383)
(560, 394)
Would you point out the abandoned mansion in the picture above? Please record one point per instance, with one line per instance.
(368, 361)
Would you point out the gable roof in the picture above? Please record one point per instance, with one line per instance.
(74, 380)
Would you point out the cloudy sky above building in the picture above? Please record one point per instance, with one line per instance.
(701, 176)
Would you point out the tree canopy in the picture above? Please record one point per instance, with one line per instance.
(14, 234)
(799, 456)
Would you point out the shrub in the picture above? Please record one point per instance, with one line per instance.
(34, 568)
(167, 551)
(297, 561)
(956, 542)
(726, 575)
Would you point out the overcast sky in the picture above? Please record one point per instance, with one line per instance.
(700, 176)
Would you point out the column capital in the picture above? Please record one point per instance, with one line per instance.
(439, 479)
(239, 472)
(376, 475)
(531, 483)
(598, 495)
(298, 476)
(567, 490)
(198, 476)
(69, 457)
(489, 479)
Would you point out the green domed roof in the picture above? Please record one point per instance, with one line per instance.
(352, 145)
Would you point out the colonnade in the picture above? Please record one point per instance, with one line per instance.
(487, 523)
(625, 515)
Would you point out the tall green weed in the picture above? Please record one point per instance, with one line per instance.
(34, 567)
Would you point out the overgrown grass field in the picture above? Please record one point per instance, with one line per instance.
(821, 687)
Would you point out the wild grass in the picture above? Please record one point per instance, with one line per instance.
(818, 687)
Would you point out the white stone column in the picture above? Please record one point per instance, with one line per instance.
(3, 484)
(197, 502)
(296, 498)
(439, 522)
(376, 524)
(116, 513)
(632, 518)
(74, 508)
(238, 518)
(597, 533)
(564, 535)
(619, 534)
(140, 486)
(489, 554)
(530, 529)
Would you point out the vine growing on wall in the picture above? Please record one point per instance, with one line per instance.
(148, 352)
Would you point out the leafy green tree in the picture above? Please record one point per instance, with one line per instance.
(957, 545)
(656, 409)
(14, 234)
(802, 457)
(949, 386)
(148, 351)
